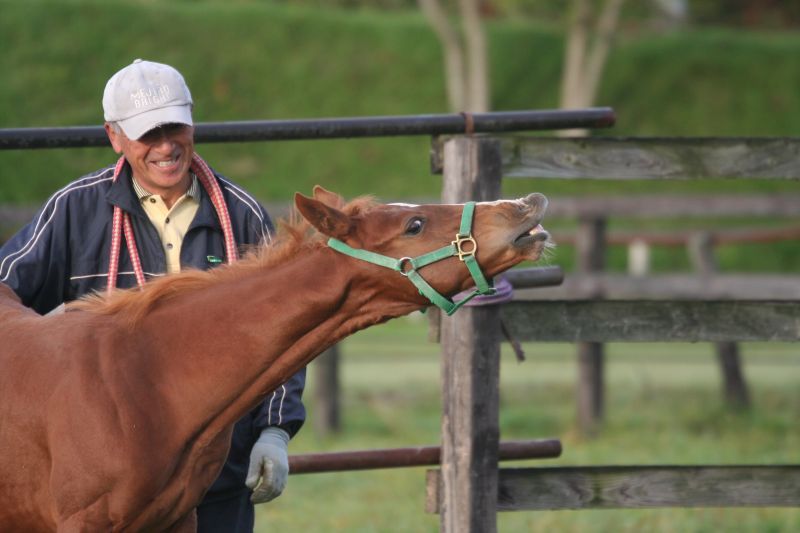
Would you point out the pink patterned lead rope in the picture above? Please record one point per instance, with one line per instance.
(206, 177)
(121, 222)
(116, 236)
(132, 250)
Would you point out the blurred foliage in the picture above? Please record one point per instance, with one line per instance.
(738, 13)
(250, 60)
(747, 13)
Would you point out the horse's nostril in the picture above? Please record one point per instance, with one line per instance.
(534, 203)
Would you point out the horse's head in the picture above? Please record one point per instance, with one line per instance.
(446, 247)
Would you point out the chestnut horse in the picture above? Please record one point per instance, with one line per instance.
(116, 415)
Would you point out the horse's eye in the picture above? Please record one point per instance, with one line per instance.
(414, 226)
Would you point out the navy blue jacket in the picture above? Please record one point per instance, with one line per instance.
(64, 252)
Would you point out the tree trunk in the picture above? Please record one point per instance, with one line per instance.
(478, 64)
(327, 416)
(453, 52)
(465, 55)
(585, 55)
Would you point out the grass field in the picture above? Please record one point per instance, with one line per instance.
(663, 407)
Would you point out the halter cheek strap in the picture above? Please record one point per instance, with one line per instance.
(464, 247)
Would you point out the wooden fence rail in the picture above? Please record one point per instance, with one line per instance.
(651, 158)
(674, 205)
(652, 321)
(683, 237)
(664, 287)
(637, 487)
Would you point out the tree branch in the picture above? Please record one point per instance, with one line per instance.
(478, 99)
(604, 36)
(453, 53)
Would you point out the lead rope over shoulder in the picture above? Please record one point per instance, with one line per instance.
(464, 247)
(121, 223)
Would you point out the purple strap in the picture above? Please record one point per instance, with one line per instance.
(504, 293)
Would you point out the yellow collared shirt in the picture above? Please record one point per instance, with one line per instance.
(171, 224)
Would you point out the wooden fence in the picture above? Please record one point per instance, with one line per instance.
(469, 488)
(592, 240)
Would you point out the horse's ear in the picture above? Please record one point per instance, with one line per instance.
(326, 219)
(327, 197)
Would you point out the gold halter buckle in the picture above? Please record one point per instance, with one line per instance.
(459, 244)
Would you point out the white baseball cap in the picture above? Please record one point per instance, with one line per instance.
(145, 95)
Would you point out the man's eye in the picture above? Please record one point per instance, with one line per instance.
(414, 226)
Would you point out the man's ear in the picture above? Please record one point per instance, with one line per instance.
(326, 219)
(327, 197)
(113, 137)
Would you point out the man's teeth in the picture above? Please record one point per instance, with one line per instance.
(165, 163)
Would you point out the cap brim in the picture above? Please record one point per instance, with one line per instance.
(138, 125)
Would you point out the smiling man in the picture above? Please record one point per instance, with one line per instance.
(159, 209)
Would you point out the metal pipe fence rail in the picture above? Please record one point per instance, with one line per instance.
(331, 128)
(311, 463)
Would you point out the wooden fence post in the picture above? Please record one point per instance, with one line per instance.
(590, 247)
(701, 253)
(639, 258)
(326, 417)
(470, 365)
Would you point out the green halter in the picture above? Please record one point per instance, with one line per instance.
(408, 266)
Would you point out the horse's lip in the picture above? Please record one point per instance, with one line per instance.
(533, 232)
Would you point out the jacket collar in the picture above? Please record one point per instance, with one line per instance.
(121, 193)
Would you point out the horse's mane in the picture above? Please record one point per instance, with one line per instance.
(294, 235)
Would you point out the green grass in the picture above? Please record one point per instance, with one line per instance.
(664, 406)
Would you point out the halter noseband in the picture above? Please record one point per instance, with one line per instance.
(408, 266)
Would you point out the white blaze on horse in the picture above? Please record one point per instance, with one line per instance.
(116, 415)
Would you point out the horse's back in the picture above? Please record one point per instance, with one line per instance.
(21, 330)
(11, 305)
(8, 297)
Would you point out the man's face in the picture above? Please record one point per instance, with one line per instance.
(160, 159)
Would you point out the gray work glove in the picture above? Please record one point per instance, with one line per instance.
(269, 463)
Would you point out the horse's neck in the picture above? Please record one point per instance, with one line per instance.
(225, 347)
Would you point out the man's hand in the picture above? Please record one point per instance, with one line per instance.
(269, 462)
